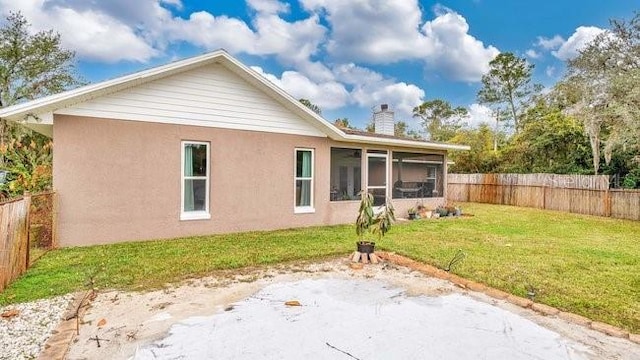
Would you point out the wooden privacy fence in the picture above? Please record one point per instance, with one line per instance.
(27, 227)
(14, 239)
(583, 194)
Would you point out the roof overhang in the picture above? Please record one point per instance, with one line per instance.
(402, 143)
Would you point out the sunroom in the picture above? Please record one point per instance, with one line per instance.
(399, 175)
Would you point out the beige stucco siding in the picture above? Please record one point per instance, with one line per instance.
(120, 180)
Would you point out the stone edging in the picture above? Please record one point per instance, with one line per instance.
(501, 295)
(57, 345)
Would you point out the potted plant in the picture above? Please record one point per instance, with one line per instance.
(440, 211)
(370, 222)
(412, 213)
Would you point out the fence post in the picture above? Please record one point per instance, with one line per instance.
(27, 224)
(54, 220)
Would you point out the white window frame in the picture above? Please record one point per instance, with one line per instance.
(200, 214)
(310, 208)
(386, 175)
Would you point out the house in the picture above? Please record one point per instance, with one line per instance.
(207, 145)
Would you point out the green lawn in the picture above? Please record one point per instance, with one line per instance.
(582, 264)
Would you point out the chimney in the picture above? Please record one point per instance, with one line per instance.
(383, 121)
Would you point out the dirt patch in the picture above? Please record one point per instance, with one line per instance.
(125, 322)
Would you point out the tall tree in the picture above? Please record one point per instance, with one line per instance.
(32, 65)
(605, 80)
(315, 108)
(440, 120)
(507, 86)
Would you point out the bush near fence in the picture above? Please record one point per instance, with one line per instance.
(582, 194)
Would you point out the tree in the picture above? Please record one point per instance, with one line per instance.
(31, 66)
(481, 158)
(401, 129)
(28, 159)
(605, 81)
(439, 119)
(315, 108)
(507, 86)
(343, 123)
(549, 142)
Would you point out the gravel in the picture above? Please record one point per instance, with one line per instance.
(23, 336)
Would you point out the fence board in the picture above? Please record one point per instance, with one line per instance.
(582, 194)
(14, 239)
(625, 204)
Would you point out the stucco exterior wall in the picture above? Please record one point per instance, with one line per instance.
(121, 180)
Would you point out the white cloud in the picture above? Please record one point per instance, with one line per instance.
(576, 42)
(117, 30)
(268, 6)
(400, 96)
(92, 34)
(210, 32)
(294, 43)
(550, 71)
(369, 88)
(479, 114)
(550, 43)
(395, 32)
(366, 89)
(328, 95)
(459, 54)
(570, 48)
(371, 30)
(367, 31)
(533, 54)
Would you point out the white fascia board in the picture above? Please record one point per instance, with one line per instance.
(406, 143)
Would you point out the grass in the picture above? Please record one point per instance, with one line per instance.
(582, 264)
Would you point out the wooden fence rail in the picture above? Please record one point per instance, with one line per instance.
(14, 239)
(581, 194)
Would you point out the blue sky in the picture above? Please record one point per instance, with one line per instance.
(345, 56)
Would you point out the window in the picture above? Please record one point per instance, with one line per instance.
(417, 175)
(195, 181)
(346, 174)
(304, 181)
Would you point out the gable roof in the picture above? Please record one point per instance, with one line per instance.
(39, 112)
